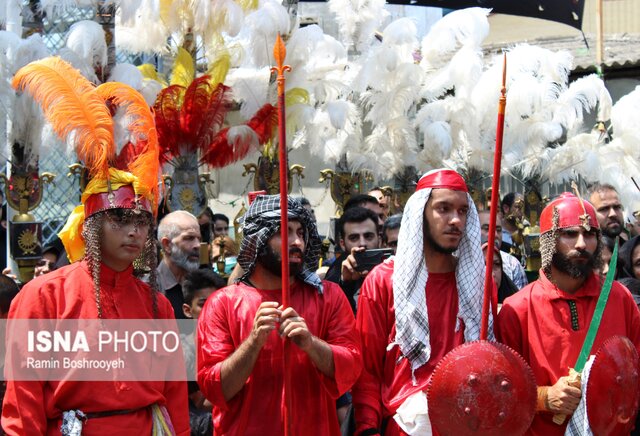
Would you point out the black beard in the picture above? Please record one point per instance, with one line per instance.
(612, 232)
(574, 270)
(272, 261)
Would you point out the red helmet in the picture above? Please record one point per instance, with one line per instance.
(572, 211)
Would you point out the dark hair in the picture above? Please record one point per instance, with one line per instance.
(200, 279)
(356, 215)
(392, 223)
(304, 201)
(607, 242)
(219, 217)
(599, 187)
(208, 212)
(8, 290)
(508, 199)
(359, 201)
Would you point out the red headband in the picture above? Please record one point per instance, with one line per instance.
(123, 198)
(442, 179)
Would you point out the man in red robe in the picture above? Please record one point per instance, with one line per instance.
(112, 228)
(242, 329)
(116, 231)
(547, 321)
(416, 307)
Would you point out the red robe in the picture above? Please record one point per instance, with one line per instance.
(536, 322)
(384, 383)
(226, 321)
(35, 407)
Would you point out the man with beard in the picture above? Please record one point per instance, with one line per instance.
(242, 329)
(179, 237)
(608, 210)
(547, 321)
(416, 307)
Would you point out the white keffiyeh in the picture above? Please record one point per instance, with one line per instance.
(410, 277)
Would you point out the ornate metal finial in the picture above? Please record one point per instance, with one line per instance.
(585, 218)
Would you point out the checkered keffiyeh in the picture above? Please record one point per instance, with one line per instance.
(410, 277)
(262, 221)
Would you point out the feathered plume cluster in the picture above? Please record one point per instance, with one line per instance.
(595, 159)
(82, 115)
(191, 119)
(26, 116)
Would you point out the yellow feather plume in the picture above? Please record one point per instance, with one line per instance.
(219, 68)
(184, 70)
(74, 110)
(296, 96)
(149, 72)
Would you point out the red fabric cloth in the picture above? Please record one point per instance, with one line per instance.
(34, 407)
(226, 321)
(385, 383)
(444, 179)
(536, 322)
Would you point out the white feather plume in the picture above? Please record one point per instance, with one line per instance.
(127, 74)
(625, 115)
(87, 39)
(250, 87)
(465, 27)
(358, 20)
(582, 96)
(79, 64)
(260, 30)
(145, 33)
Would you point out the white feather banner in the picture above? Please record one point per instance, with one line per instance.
(87, 39)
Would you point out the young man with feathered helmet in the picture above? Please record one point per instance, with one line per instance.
(106, 237)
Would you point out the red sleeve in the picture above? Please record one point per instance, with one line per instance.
(23, 409)
(509, 327)
(215, 344)
(371, 326)
(343, 340)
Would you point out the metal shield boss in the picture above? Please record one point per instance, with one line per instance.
(482, 388)
(612, 388)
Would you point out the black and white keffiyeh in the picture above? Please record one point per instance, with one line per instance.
(262, 221)
(410, 276)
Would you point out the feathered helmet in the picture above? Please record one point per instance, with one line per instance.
(83, 115)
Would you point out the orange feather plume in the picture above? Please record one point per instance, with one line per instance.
(76, 113)
(142, 127)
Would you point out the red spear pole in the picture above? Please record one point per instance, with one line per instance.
(279, 53)
(495, 192)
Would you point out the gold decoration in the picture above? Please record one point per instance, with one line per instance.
(28, 242)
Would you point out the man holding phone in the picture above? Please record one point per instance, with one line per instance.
(420, 305)
(358, 229)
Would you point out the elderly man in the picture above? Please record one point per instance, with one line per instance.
(418, 306)
(243, 327)
(179, 237)
(547, 321)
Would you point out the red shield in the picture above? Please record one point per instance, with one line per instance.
(482, 388)
(612, 388)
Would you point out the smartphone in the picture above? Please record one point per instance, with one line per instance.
(367, 259)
